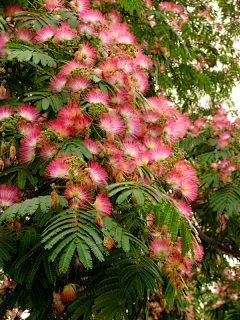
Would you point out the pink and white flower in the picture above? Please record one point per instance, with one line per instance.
(78, 83)
(97, 97)
(58, 83)
(102, 204)
(28, 112)
(45, 33)
(58, 168)
(96, 173)
(5, 112)
(160, 153)
(8, 195)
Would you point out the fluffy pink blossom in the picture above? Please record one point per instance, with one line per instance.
(185, 208)
(61, 128)
(47, 151)
(8, 195)
(133, 128)
(189, 190)
(160, 153)
(57, 303)
(142, 60)
(92, 146)
(27, 129)
(225, 136)
(96, 174)
(131, 149)
(174, 180)
(28, 146)
(58, 168)
(118, 78)
(97, 97)
(52, 4)
(86, 54)
(70, 112)
(86, 30)
(102, 204)
(64, 33)
(150, 116)
(32, 139)
(58, 83)
(160, 247)
(140, 81)
(78, 195)
(174, 129)
(121, 34)
(222, 143)
(24, 34)
(125, 65)
(111, 124)
(113, 17)
(127, 111)
(78, 83)
(108, 66)
(27, 153)
(79, 5)
(151, 143)
(105, 37)
(45, 33)
(143, 159)
(5, 112)
(4, 37)
(198, 251)
(93, 16)
(28, 112)
(69, 67)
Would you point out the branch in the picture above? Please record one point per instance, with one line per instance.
(220, 245)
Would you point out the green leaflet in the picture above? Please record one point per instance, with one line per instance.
(84, 254)
(226, 199)
(77, 147)
(30, 54)
(120, 235)
(33, 270)
(29, 207)
(66, 257)
(170, 296)
(139, 196)
(49, 268)
(124, 195)
(173, 220)
(70, 231)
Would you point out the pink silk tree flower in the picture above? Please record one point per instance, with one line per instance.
(102, 204)
(8, 195)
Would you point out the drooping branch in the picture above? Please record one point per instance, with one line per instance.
(220, 245)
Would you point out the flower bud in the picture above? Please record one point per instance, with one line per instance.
(3, 147)
(108, 243)
(98, 221)
(1, 164)
(12, 152)
(69, 293)
(54, 199)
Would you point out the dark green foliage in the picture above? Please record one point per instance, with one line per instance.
(226, 199)
(121, 291)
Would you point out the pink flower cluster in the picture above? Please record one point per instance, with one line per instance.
(169, 254)
(225, 132)
(122, 132)
(176, 13)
